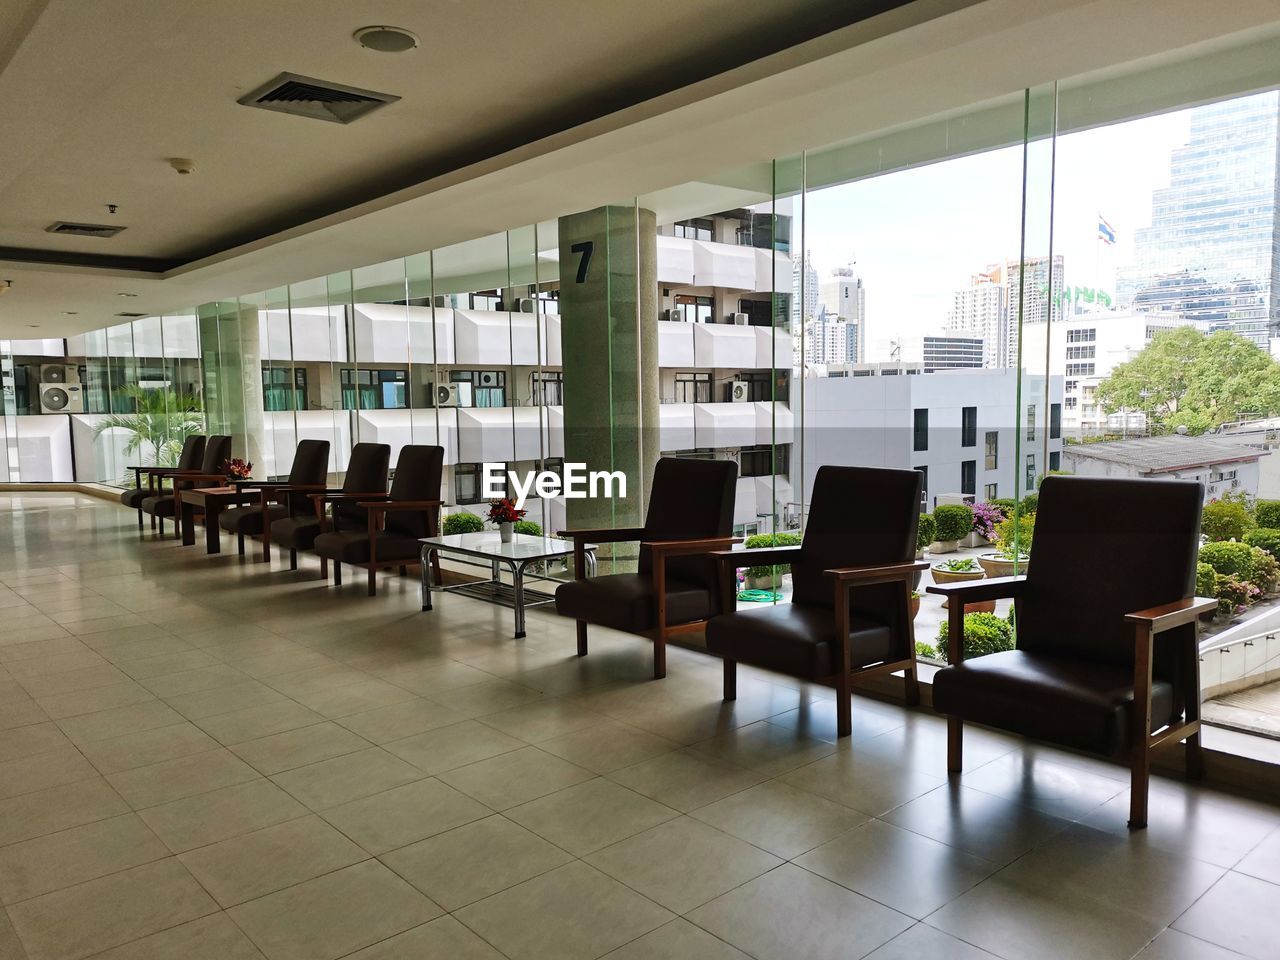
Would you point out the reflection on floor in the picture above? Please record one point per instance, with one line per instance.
(203, 757)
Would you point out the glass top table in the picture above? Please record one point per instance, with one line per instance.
(517, 555)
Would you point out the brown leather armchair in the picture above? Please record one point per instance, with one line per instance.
(1106, 659)
(307, 474)
(217, 451)
(188, 460)
(674, 589)
(396, 520)
(849, 617)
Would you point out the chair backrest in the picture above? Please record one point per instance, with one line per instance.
(1103, 548)
(310, 467)
(418, 474)
(192, 454)
(366, 473)
(690, 500)
(217, 451)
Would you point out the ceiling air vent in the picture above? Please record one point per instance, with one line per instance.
(130, 316)
(319, 99)
(63, 228)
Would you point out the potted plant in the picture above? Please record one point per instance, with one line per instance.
(915, 604)
(237, 469)
(985, 518)
(958, 571)
(1013, 547)
(504, 514)
(954, 521)
(926, 533)
(769, 577)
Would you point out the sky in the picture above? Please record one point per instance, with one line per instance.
(917, 235)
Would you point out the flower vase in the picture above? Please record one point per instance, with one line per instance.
(505, 531)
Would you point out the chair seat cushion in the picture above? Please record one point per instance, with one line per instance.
(247, 520)
(296, 533)
(796, 639)
(354, 547)
(1083, 704)
(625, 601)
(133, 498)
(159, 506)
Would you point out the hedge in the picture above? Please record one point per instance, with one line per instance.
(1226, 519)
(1240, 560)
(1267, 514)
(527, 527)
(1206, 580)
(772, 540)
(954, 520)
(926, 532)
(1265, 538)
(984, 633)
(463, 522)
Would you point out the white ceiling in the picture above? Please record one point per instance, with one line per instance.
(98, 95)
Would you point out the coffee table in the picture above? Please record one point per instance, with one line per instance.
(517, 555)
(212, 500)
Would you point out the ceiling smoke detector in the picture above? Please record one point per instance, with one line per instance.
(318, 99)
(386, 39)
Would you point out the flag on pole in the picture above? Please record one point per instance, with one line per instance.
(1106, 233)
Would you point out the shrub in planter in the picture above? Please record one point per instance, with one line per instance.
(463, 522)
(985, 518)
(926, 532)
(771, 540)
(984, 633)
(1239, 560)
(1014, 536)
(1265, 538)
(1226, 519)
(1234, 594)
(1005, 505)
(1031, 503)
(1267, 514)
(1206, 580)
(527, 527)
(954, 521)
(928, 652)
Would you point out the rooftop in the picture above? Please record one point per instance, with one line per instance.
(1163, 454)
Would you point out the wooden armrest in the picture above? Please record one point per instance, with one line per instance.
(853, 576)
(384, 505)
(200, 477)
(604, 534)
(335, 496)
(676, 548)
(973, 591)
(275, 484)
(757, 556)
(1170, 615)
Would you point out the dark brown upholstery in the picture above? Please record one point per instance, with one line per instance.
(1102, 549)
(418, 478)
(859, 517)
(189, 459)
(689, 500)
(310, 467)
(217, 451)
(366, 473)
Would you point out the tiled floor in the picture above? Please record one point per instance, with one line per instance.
(208, 758)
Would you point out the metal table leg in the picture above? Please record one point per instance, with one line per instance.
(424, 559)
(517, 583)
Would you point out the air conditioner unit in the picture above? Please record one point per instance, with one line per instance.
(676, 314)
(447, 395)
(739, 319)
(441, 302)
(740, 391)
(524, 305)
(61, 398)
(489, 378)
(59, 373)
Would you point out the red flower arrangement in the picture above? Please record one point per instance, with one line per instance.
(504, 511)
(237, 469)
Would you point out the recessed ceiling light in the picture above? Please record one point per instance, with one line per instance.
(126, 294)
(34, 326)
(71, 313)
(386, 39)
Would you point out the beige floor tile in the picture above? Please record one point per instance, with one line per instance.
(903, 870)
(426, 680)
(147, 747)
(220, 700)
(1067, 791)
(1022, 923)
(250, 723)
(178, 661)
(60, 766)
(456, 745)
(403, 815)
(356, 697)
(1263, 861)
(590, 815)
(30, 740)
(361, 774)
(289, 660)
(1238, 913)
(195, 680)
(120, 721)
(220, 814)
(44, 864)
(55, 663)
(1172, 945)
(544, 719)
(686, 780)
(474, 861)
(677, 939)
(109, 911)
(868, 783)
(442, 939)
(769, 748)
(76, 703)
(514, 778)
(572, 913)
(683, 864)
(58, 808)
(489, 696)
(69, 681)
(297, 748)
(24, 646)
(183, 777)
(134, 650)
(215, 937)
(923, 942)
(779, 818)
(400, 720)
(20, 714)
(10, 946)
(244, 868)
(334, 915)
(608, 746)
(790, 912)
(324, 677)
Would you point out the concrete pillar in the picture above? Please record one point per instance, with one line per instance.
(609, 342)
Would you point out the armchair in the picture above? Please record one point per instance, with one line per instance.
(1106, 659)
(849, 617)
(188, 460)
(217, 450)
(396, 520)
(308, 472)
(674, 589)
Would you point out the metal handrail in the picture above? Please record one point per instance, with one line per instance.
(1210, 645)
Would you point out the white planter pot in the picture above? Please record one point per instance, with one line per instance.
(505, 531)
(975, 539)
(943, 546)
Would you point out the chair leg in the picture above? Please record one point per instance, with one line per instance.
(913, 688)
(731, 679)
(337, 574)
(844, 706)
(139, 518)
(955, 744)
(582, 638)
(240, 543)
(293, 559)
(660, 655)
(373, 581)
(404, 570)
(1139, 786)
(1195, 758)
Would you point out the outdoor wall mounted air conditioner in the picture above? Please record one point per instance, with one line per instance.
(740, 391)
(676, 314)
(739, 319)
(447, 395)
(61, 398)
(59, 373)
(441, 301)
(524, 305)
(489, 378)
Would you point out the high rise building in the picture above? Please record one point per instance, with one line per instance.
(989, 307)
(830, 339)
(804, 289)
(1212, 251)
(844, 298)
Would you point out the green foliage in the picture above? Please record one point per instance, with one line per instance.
(772, 540)
(1248, 563)
(1030, 503)
(1206, 580)
(929, 653)
(1265, 538)
(954, 521)
(1226, 519)
(984, 633)
(527, 527)
(1184, 378)
(960, 565)
(1023, 529)
(1267, 514)
(463, 522)
(926, 532)
(1233, 593)
(161, 421)
(1005, 505)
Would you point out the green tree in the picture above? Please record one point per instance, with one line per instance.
(1186, 379)
(160, 422)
